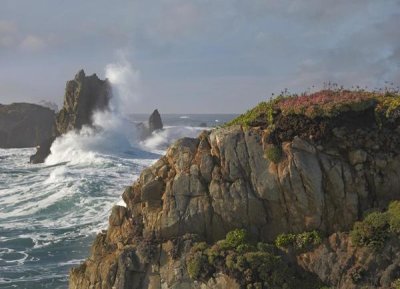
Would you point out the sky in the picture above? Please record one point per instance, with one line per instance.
(198, 56)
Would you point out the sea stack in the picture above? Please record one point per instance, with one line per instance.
(155, 122)
(83, 96)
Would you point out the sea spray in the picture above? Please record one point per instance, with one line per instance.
(112, 132)
(160, 139)
(50, 213)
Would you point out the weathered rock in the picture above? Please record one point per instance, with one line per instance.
(83, 96)
(222, 180)
(25, 125)
(42, 151)
(357, 157)
(155, 121)
(154, 124)
(342, 265)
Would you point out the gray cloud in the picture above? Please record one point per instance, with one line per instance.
(199, 55)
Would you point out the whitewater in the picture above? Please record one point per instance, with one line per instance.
(51, 212)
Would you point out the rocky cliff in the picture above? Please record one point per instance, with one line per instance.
(271, 171)
(25, 125)
(83, 96)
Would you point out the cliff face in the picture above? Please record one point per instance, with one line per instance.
(338, 262)
(303, 174)
(83, 96)
(25, 125)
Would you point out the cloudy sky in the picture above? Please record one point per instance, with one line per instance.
(198, 55)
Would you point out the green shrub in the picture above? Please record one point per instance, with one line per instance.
(262, 113)
(377, 227)
(394, 216)
(196, 265)
(234, 238)
(243, 248)
(264, 247)
(298, 241)
(274, 153)
(372, 232)
(252, 266)
(303, 240)
(396, 284)
(285, 240)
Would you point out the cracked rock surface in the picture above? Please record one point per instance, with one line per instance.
(220, 181)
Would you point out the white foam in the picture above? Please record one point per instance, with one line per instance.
(112, 132)
(159, 140)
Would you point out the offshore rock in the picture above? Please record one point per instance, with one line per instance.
(155, 121)
(42, 151)
(204, 187)
(25, 125)
(83, 96)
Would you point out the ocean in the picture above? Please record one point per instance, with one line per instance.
(51, 212)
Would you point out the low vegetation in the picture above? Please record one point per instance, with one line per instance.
(274, 153)
(396, 284)
(325, 103)
(301, 241)
(377, 227)
(252, 265)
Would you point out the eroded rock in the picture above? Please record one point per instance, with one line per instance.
(223, 180)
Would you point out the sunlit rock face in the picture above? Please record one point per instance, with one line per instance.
(204, 187)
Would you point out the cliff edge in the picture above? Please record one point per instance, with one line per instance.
(267, 201)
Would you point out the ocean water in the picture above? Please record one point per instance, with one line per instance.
(51, 212)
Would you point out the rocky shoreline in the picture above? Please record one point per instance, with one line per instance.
(291, 177)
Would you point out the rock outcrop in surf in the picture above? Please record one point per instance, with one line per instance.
(83, 96)
(291, 172)
(25, 125)
(154, 123)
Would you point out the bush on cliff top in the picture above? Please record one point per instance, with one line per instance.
(324, 103)
(377, 227)
(253, 266)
